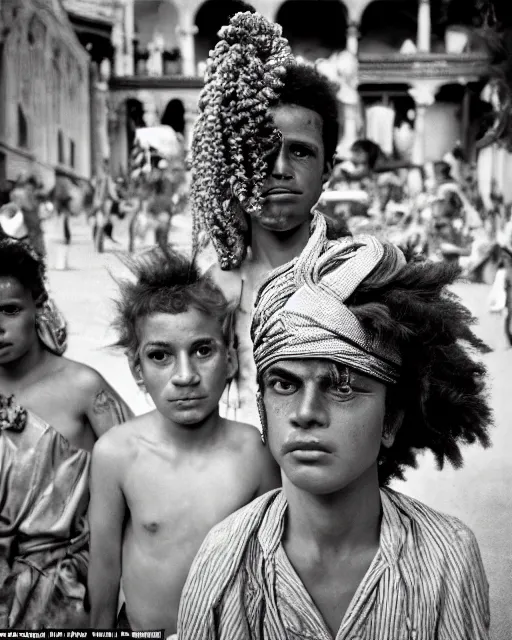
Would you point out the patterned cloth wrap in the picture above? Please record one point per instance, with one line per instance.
(300, 310)
(51, 326)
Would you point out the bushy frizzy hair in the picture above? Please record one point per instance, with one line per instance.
(18, 261)
(442, 384)
(304, 86)
(234, 133)
(165, 282)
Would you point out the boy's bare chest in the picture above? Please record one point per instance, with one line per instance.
(178, 501)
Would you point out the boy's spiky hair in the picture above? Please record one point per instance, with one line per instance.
(17, 260)
(442, 389)
(165, 282)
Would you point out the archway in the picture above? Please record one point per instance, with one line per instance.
(174, 115)
(455, 27)
(211, 16)
(314, 28)
(156, 19)
(387, 24)
(155, 16)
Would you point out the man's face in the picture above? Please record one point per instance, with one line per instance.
(297, 170)
(324, 435)
(184, 363)
(17, 320)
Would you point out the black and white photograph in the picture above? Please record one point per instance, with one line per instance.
(256, 319)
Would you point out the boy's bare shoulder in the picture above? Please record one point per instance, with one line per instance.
(243, 436)
(122, 440)
(81, 377)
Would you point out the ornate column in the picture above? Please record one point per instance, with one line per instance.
(129, 30)
(186, 31)
(353, 38)
(423, 95)
(101, 146)
(117, 39)
(424, 26)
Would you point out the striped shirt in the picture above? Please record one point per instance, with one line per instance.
(426, 582)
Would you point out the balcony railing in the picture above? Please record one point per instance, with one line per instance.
(402, 68)
(373, 69)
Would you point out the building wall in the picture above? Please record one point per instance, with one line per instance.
(442, 130)
(45, 105)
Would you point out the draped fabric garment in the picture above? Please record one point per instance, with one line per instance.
(427, 581)
(43, 528)
(300, 311)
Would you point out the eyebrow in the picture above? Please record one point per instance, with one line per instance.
(324, 378)
(306, 142)
(164, 344)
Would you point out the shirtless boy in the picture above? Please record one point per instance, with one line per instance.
(166, 478)
(51, 412)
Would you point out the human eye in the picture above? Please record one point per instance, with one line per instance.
(301, 150)
(281, 386)
(160, 356)
(10, 309)
(343, 392)
(204, 350)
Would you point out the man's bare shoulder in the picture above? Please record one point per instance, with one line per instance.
(228, 281)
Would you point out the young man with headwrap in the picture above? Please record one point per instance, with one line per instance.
(362, 363)
(262, 149)
(51, 412)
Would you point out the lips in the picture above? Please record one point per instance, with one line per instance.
(187, 399)
(3, 345)
(305, 445)
(279, 191)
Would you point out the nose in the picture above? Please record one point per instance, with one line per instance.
(281, 169)
(309, 410)
(184, 373)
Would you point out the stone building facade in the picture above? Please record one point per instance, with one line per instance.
(44, 93)
(410, 76)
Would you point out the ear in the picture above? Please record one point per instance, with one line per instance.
(232, 362)
(392, 423)
(135, 368)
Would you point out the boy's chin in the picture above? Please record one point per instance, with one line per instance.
(189, 419)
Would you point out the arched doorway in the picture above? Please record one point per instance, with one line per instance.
(174, 115)
(156, 20)
(314, 28)
(387, 24)
(211, 16)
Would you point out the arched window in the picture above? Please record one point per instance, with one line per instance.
(22, 129)
(174, 115)
(211, 16)
(314, 28)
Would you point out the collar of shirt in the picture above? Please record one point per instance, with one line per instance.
(393, 531)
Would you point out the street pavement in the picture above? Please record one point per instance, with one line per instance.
(479, 493)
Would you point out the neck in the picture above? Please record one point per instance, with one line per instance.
(275, 249)
(336, 523)
(194, 436)
(20, 369)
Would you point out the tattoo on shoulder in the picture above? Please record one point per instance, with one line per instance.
(106, 403)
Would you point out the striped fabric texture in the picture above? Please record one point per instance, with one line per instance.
(427, 581)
